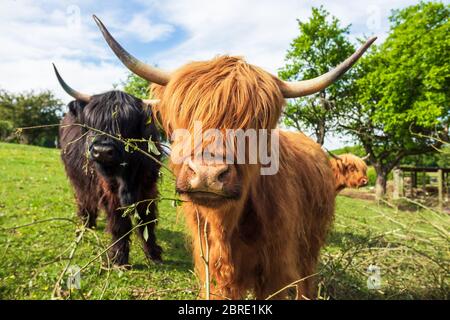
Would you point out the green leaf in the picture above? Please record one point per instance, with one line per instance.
(136, 214)
(145, 233)
(151, 146)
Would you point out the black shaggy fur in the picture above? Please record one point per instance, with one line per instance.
(126, 179)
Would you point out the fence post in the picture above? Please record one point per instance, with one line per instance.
(402, 184)
(414, 179)
(440, 180)
(424, 181)
(411, 187)
(446, 185)
(398, 184)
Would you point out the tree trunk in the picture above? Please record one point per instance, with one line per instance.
(320, 129)
(380, 185)
(320, 133)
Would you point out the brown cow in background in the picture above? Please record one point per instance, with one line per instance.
(259, 233)
(349, 171)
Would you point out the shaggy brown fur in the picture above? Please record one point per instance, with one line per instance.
(224, 92)
(271, 236)
(349, 171)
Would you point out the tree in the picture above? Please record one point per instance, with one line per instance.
(394, 102)
(321, 45)
(136, 86)
(140, 88)
(31, 109)
(399, 104)
(444, 156)
(6, 130)
(439, 158)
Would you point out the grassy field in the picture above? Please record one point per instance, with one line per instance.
(40, 236)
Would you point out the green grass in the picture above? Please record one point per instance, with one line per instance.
(411, 248)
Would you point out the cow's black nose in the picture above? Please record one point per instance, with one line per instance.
(101, 152)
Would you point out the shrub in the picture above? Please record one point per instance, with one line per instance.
(6, 129)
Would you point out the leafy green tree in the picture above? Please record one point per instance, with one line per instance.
(399, 105)
(444, 157)
(321, 45)
(136, 86)
(439, 158)
(394, 102)
(6, 130)
(32, 109)
(140, 88)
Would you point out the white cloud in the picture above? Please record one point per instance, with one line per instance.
(38, 75)
(32, 38)
(146, 31)
(259, 30)
(33, 34)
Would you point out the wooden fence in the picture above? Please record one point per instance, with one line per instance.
(442, 179)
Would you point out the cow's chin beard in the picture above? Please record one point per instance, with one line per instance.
(107, 169)
(113, 181)
(127, 199)
(208, 199)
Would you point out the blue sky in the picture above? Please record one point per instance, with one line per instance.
(169, 33)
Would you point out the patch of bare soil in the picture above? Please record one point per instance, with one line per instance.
(363, 194)
(422, 198)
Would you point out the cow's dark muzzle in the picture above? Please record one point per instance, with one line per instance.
(103, 153)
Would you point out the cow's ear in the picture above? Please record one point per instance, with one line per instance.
(342, 165)
(76, 107)
(150, 116)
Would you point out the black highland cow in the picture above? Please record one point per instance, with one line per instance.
(103, 174)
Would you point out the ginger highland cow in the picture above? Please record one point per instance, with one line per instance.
(263, 232)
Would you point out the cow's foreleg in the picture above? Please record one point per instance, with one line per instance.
(119, 227)
(148, 214)
(87, 209)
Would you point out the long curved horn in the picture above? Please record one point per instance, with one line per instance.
(77, 95)
(150, 102)
(333, 155)
(307, 87)
(366, 157)
(140, 68)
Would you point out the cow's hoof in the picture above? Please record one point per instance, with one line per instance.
(124, 267)
(157, 260)
(119, 259)
(154, 254)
